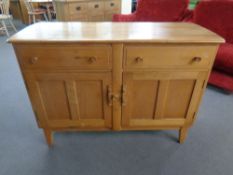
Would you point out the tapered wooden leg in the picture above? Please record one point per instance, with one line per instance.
(183, 134)
(48, 136)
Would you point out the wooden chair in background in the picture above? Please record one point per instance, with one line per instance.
(53, 9)
(33, 12)
(6, 17)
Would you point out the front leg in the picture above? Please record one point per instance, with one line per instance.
(48, 136)
(183, 134)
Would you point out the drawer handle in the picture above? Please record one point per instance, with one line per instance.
(92, 59)
(96, 6)
(33, 60)
(78, 8)
(112, 4)
(138, 59)
(89, 59)
(197, 59)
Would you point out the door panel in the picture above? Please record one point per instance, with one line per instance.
(143, 98)
(90, 99)
(55, 100)
(159, 98)
(178, 98)
(71, 99)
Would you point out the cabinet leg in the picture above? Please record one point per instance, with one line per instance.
(183, 134)
(48, 136)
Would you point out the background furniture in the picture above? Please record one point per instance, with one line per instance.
(34, 12)
(5, 17)
(120, 76)
(217, 15)
(193, 3)
(87, 10)
(134, 5)
(53, 9)
(15, 9)
(154, 10)
(18, 7)
(44, 4)
(19, 10)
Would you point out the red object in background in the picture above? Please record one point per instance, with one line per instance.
(217, 16)
(156, 10)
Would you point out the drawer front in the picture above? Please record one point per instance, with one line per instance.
(78, 18)
(95, 7)
(77, 8)
(53, 56)
(137, 56)
(112, 5)
(96, 18)
(109, 15)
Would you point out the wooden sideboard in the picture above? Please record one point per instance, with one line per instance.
(115, 76)
(87, 10)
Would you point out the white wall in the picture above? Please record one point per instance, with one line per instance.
(126, 6)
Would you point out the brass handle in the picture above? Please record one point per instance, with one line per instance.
(112, 4)
(123, 99)
(138, 59)
(33, 60)
(197, 59)
(96, 6)
(78, 8)
(109, 95)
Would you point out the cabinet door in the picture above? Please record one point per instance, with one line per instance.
(165, 99)
(70, 99)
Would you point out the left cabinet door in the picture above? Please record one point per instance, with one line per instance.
(71, 100)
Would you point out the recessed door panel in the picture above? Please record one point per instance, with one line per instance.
(143, 98)
(178, 98)
(55, 99)
(90, 99)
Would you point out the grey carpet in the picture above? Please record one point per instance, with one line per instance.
(208, 149)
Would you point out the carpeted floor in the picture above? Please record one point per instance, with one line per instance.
(208, 149)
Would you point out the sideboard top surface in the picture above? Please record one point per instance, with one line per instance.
(102, 32)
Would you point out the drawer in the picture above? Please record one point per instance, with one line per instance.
(57, 56)
(78, 8)
(112, 5)
(109, 15)
(78, 18)
(159, 56)
(96, 18)
(95, 7)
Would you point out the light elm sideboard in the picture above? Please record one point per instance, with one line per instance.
(115, 76)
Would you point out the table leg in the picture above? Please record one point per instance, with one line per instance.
(49, 13)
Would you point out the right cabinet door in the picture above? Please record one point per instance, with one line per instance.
(160, 99)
